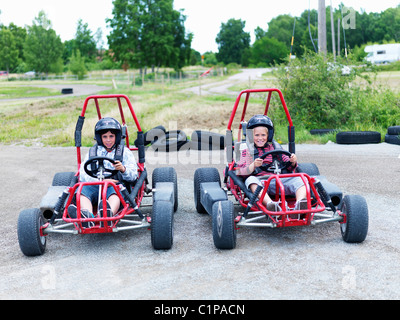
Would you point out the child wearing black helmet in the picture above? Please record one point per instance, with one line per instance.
(250, 164)
(108, 135)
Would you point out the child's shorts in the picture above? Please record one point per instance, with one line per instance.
(290, 185)
(92, 192)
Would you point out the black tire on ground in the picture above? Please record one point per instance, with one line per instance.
(358, 137)
(171, 141)
(307, 167)
(394, 130)
(223, 225)
(162, 224)
(392, 139)
(28, 229)
(356, 227)
(321, 131)
(206, 140)
(63, 179)
(67, 90)
(154, 134)
(203, 175)
(166, 174)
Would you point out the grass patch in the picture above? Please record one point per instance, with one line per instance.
(7, 92)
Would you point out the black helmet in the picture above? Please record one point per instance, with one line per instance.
(107, 124)
(260, 120)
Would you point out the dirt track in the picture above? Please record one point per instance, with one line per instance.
(296, 263)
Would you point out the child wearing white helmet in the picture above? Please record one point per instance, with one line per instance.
(251, 166)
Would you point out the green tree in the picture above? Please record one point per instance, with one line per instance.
(232, 41)
(77, 65)
(43, 48)
(281, 28)
(149, 33)
(267, 51)
(8, 50)
(84, 41)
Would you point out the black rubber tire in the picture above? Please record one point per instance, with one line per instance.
(28, 229)
(166, 174)
(307, 167)
(223, 225)
(153, 134)
(358, 137)
(321, 131)
(203, 175)
(162, 225)
(171, 141)
(206, 140)
(394, 130)
(356, 227)
(63, 179)
(392, 139)
(67, 90)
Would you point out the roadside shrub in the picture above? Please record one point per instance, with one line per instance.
(319, 95)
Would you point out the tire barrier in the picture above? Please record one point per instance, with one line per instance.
(159, 139)
(393, 135)
(358, 137)
(170, 141)
(206, 140)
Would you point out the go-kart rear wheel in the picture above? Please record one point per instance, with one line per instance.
(356, 227)
(162, 225)
(223, 225)
(166, 174)
(29, 238)
(203, 175)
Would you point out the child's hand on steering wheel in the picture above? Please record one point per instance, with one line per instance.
(119, 166)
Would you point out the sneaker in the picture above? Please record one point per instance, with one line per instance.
(109, 213)
(72, 211)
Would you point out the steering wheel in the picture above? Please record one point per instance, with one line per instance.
(99, 171)
(276, 165)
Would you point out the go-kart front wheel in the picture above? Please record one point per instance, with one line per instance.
(162, 219)
(223, 225)
(31, 242)
(355, 229)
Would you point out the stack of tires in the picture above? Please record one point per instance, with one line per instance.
(206, 140)
(393, 135)
(161, 140)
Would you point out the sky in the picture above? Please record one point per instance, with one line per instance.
(203, 17)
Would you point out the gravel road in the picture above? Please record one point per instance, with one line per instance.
(291, 263)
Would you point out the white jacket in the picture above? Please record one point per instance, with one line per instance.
(128, 161)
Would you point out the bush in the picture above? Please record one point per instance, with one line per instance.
(320, 96)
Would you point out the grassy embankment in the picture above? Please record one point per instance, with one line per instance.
(51, 121)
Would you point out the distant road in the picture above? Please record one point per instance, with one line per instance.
(78, 90)
(223, 86)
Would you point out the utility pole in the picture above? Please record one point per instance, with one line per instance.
(322, 27)
(333, 34)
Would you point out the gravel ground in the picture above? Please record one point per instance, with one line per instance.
(291, 263)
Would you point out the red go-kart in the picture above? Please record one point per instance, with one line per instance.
(34, 225)
(325, 201)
